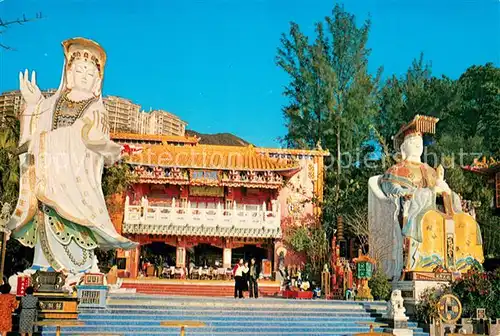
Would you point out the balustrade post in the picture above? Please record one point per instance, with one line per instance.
(234, 213)
(189, 214)
(264, 211)
(219, 213)
(278, 215)
(127, 203)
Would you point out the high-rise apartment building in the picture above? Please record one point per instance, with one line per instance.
(163, 122)
(11, 103)
(123, 115)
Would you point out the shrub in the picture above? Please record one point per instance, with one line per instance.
(380, 286)
(477, 289)
(426, 309)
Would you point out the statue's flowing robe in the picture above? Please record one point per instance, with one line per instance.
(61, 210)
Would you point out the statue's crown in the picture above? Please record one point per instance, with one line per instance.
(417, 127)
(82, 48)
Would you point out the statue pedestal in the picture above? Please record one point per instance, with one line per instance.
(54, 302)
(399, 326)
(412, 289)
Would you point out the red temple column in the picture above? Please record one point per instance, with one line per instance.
(133, 262)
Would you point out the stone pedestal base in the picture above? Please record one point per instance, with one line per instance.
(399, 326)
(412, 289)
(402, 332)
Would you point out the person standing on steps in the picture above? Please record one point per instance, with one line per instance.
(238, 272)
(8, 304)
(29, 306)
(253, 278)
(246, 278)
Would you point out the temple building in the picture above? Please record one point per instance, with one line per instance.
(209, 205)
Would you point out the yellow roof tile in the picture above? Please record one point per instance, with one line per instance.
(210, 157)
(293, 151)
(154, 137)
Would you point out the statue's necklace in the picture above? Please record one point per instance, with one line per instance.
(67, 111)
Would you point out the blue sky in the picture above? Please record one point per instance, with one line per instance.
(213, 62)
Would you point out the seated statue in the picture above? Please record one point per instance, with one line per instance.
(416, 221)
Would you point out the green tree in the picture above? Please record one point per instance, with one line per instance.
(480, 112)
(332, 96)
(117, 178)
(9, 163)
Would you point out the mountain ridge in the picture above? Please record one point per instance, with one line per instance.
(226, 139)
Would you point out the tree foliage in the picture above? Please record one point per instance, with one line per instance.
(333, 99)
(309, 237)
(332, 96)
(9, 163)
(117, 178)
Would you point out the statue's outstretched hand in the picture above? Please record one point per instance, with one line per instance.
(30, 91)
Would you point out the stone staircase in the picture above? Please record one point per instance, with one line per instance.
(195, 288)
(134, 315)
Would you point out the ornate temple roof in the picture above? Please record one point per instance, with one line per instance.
(124, 137)
(212, 157)
(484, 166)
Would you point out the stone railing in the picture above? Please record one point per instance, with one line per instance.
(240, 221)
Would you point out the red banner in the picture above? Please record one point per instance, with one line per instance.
(23, 282)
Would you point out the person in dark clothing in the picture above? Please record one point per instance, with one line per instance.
(246, 278)
(29, 305)
(253, 278)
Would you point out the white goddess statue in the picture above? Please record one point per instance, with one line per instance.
(61, 211)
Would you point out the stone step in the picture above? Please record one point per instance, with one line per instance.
(185, 299)
(140, 314)
(110, 321)
(214, 333)
(210, 329)
(225, 317)
(252, 308)
(213, 290)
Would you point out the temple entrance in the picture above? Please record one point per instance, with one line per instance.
(205, 255)
(247, 252)
(156, 256)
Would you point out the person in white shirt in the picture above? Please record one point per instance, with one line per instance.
(239, 277)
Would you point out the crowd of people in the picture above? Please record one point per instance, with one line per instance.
(28, 310)
(246, 278)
